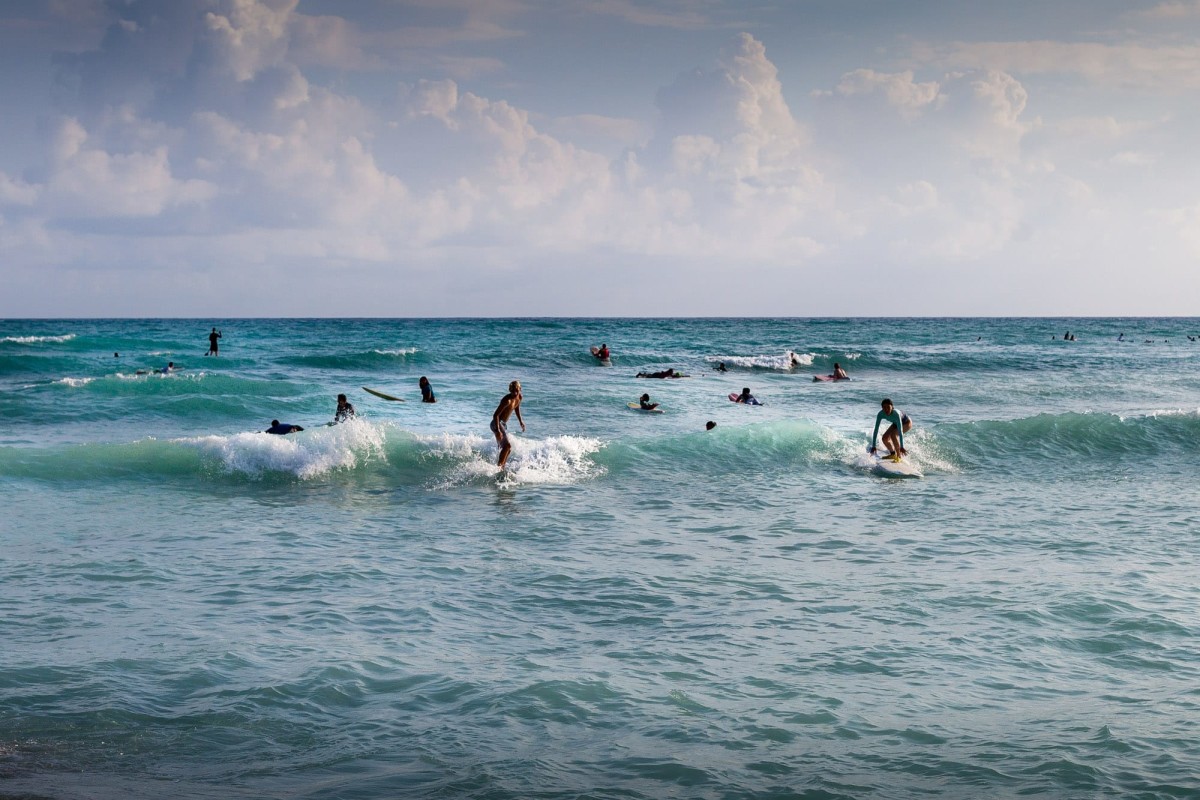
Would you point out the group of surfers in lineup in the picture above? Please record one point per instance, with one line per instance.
(510, 405)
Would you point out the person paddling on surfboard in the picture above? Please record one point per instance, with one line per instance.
(282, 428)
(644, 402)
(839, 374)
(509, 404)
(893, 437)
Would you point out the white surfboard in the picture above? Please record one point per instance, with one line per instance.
(893, 467)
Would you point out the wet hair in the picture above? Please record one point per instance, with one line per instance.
(274, 422)
(745, 390)
(512, 387)
(645, 396)
(708, 426)
(423, 380)
(887, 401)
(341, 397)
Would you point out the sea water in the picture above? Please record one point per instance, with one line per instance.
(636, 607)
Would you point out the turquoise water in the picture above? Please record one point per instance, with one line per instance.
(638, 608)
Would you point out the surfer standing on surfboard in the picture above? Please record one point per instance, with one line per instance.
(893, 437)
(509, 404)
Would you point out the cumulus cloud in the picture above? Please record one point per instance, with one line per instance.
(214, 125)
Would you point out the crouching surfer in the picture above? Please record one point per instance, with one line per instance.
(893, 437)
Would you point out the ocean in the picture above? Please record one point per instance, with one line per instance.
(637, 607)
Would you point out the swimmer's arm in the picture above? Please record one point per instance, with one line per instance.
(517, 409)
(875, 433)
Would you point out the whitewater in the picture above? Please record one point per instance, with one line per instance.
(638, 607)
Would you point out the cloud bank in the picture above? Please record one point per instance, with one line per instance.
(244, 157)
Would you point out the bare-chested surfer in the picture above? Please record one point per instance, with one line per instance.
(509, 404)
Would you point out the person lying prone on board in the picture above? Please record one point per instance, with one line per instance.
(282, 428)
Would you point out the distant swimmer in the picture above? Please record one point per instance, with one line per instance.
(282, 428)
(212, 342)
(793, 359)
(603, 353)
(426, 391)
(345, 411)
(745, 397)
(509, 404)
(722, 368)
(170, 367)
(708, 426)
(118, 355)
(893, 437)
(1121, 338)
(644, 402)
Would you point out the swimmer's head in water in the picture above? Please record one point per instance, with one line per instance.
(708, 426)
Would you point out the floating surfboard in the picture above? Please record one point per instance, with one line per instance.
(381, 395)
(895, 467)
(638, 407)
(827, 379)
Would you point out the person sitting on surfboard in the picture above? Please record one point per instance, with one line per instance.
(645, 403)
(893, 437)
(344, 412)
(839, 374)
(426, 391)
(509, 404)
(602, 353)
(747, 398)
(282, 429)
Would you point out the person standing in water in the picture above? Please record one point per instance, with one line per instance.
(212, 342)
(509, 404)
(426, 391)
(893, 437)
(344, 412)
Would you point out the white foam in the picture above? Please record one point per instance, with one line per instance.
(66, 337)
(306, 455)
(557, 460)
(403, 351)
(788, 361)
(75, 382)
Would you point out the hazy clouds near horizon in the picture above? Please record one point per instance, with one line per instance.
(604, 157)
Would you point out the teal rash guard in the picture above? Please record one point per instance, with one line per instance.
(896, 418)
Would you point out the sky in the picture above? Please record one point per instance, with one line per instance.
(408, 158)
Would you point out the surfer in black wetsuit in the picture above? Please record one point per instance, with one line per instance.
(212, 342)
(426, 391)
(282, 428)
(644, 402)
(666, 373)
(345, 411)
